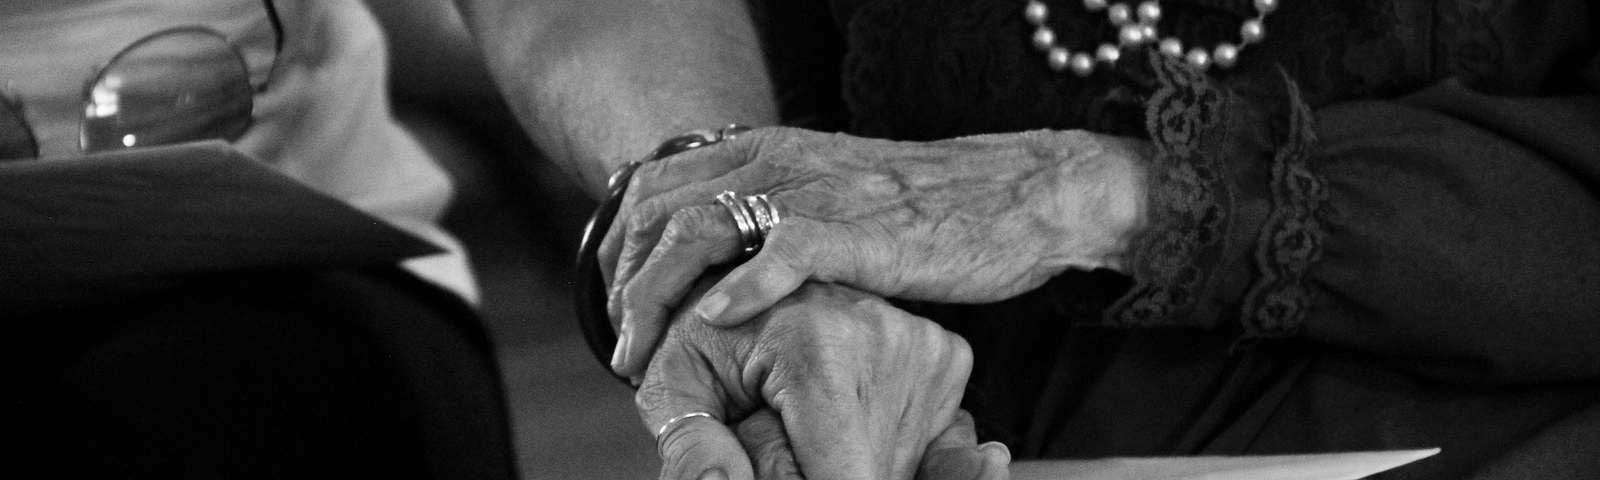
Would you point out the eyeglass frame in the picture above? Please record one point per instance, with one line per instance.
(13, 105)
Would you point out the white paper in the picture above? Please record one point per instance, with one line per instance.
(1328, 466)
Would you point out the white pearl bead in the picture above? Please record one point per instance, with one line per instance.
(1198, 58)
(1149, 12)
(1036, 12)
(1108, 53)
(1044, 38)
(1172, 47)
(1118, 14)
(1252, 31)
(1131, 35)
(1082, 64)
(1137, 23)
(1225, 55)
(1058, 58)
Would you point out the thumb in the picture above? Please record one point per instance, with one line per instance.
(955, 455)
(765, 439)
(680, 406)
(795, 250)
(701, 448)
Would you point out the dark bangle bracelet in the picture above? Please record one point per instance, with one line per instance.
(591, 292)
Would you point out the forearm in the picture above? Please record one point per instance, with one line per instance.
(597, 83)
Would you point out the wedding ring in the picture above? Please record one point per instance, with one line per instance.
(663, 431)
(744, 219)
(766, 216)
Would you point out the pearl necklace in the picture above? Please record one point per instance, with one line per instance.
(1137, 27)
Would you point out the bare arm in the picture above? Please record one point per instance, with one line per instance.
(600, 82)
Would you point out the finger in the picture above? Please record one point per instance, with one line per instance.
(829, 435)
(764, 439)
(648, 180)
(997, 461)
(954, 455)
(648, 218)
(691, 447)
(655, 178)
(851, 414)
(700, 448)
(791, 252)
(696, 238)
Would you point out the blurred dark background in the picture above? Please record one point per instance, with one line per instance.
(520, 217)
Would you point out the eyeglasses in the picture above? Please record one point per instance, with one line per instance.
(176, 85)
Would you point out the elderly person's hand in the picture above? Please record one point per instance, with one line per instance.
(953, 455)
(974, 219)
(831, 382)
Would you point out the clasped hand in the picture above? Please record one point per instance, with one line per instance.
(830, 382)
(967, 220)
(857, 388)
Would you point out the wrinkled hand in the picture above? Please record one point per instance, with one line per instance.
(975, 219)
(953, 455)
(862, 390)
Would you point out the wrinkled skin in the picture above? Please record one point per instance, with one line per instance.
(968, 220)
(831, 383)
(951, 456)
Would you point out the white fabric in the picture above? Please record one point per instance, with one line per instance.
(323, 120)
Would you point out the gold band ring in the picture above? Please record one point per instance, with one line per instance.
(663, 430)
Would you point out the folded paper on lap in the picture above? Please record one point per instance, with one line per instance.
(131, 222)
(1329, 466)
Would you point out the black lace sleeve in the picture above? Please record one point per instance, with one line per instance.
(1232, 208)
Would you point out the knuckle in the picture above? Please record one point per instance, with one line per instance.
(643, 305)
(652, 396)
(684, 225)
(761, 136)
(644, 177)
(763, 143)
(639, 218)
(696, 228)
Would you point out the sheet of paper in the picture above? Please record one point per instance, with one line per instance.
(127, 222)
(1330, 466)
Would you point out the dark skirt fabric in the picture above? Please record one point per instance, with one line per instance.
(344, 373)
(1392, 243)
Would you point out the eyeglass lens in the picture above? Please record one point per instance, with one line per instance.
(177, 86)
(16, 139)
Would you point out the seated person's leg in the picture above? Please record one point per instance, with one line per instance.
(348, 374)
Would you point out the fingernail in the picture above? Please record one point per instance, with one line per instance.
(712, 306)
(998, 450)
(620, 355)
(714, 474)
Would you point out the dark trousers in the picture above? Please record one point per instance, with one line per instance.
(329, 374)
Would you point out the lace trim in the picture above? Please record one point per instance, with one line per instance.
(1291, 239)
(1169, 257)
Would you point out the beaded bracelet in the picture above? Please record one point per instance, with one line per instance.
(590, 293)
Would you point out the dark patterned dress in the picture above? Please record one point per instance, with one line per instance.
(1380, 230)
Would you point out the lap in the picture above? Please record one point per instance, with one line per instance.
(267, 374)
(1050, 386)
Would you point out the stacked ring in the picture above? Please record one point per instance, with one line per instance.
(749, 231)
(754, 215)
(766, 216)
